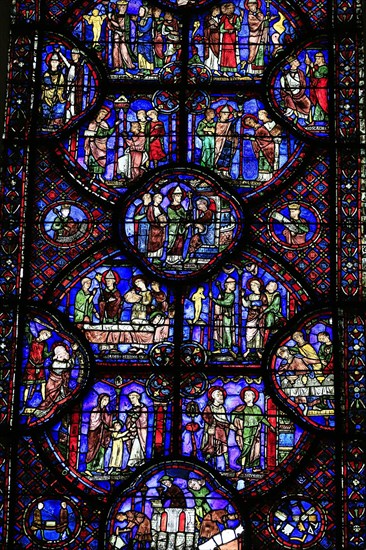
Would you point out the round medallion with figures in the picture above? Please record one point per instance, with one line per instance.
(65, 223)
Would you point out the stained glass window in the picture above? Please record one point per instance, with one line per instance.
(181, 276)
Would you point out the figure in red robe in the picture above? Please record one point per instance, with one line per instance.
(230, 24)
(156, 141)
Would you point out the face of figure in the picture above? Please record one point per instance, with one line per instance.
(283, 353)
(44, 335)
(122, 8)
(294, 213)
(194, 484)
(135, 128)
(201, 205)
(40, 506)
(210, 114)
(75, 57)
(255, 287)
(253, 6)
(215, 11)
(95, 13)
(153, 115)
(158, 199)
(141, 12)
(295, 64)
(104, 402)
(63, 505)
(224, 115)
(230, 286)
(101, 115)
(218, 397)
(156, 12)
(61, 353)
(140, 283)
(319, 59)
(249, 397)
(271, 287)
(54, 64)
(141, 115)
(146, 199)
(323, 338)
(177, 197)
(230, 8)
(263, 115)
(117, 426)
(298, 338)
(65, 212)
(155, 286)
(134, 400)
(250, 122)
(109, 283)
(166, 483)
(87, 284)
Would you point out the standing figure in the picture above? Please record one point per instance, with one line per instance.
(53, 88)
(84, 306)
(230, 25)
(216, 428)
(258, 37)
(136, 431)
(170, 31)
(318, 86)
(256, 303)
(136, 153)
(224, 321)
(177, 226)
(293, 92)
(275, 130)
(159, 297)
(116, 458)
(197, 299)
(141, 224)
(157, 229)
(211, 36)
(263, 147)
(110, 299)
(34, 372)
(247, 420)
(173, 496)
(74, 82)
(204, 227)
(158, 40)
(98, 435)
(145, 47)
(226, 140)
(120, 24)
(95, 146)
(63, 525)
(57, 387)
(197, 486)
(206, 132)
(96, 21)
(37, 526)
(272, 313)
(156, 138)
(136, 520)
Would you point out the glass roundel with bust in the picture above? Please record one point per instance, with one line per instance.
(182, 244)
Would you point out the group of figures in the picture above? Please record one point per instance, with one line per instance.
(51, 521)
(177, 508)
(237, 143)
(301, 90)
(65, 79)
(122, 151)
(128, 321)
(134, 39)
(182, 224)
(239, 40)
(261, 303)
(303, 368)
(53, 369)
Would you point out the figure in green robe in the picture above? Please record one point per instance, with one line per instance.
(84, 307)
(206, 132)
(224, 317)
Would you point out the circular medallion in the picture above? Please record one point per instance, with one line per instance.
(64, 223)
(294, 225)
(297, 522)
